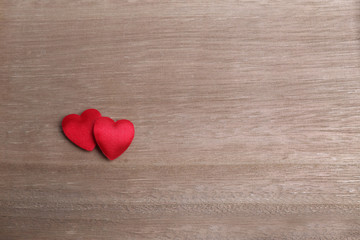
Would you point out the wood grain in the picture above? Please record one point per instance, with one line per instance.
(247, 118)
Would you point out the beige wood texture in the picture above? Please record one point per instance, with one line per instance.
(247, 117)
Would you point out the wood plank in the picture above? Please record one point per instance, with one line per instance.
(246, 113)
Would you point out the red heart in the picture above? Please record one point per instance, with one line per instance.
(79, 129)
(112, 137)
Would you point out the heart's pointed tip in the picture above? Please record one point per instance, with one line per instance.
(114, 156)
(111, 158)
(89, 149)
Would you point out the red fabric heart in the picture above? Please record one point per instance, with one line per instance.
(112, 137)
(79, 129)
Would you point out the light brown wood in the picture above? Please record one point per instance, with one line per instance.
(247, 118)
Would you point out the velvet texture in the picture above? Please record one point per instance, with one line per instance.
(79, 129)
(113, 138)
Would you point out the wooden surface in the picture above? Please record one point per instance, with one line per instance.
(247, 117)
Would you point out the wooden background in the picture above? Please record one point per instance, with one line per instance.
(247, 117)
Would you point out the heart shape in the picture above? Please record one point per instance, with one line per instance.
(112, 137)
(79, 129)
